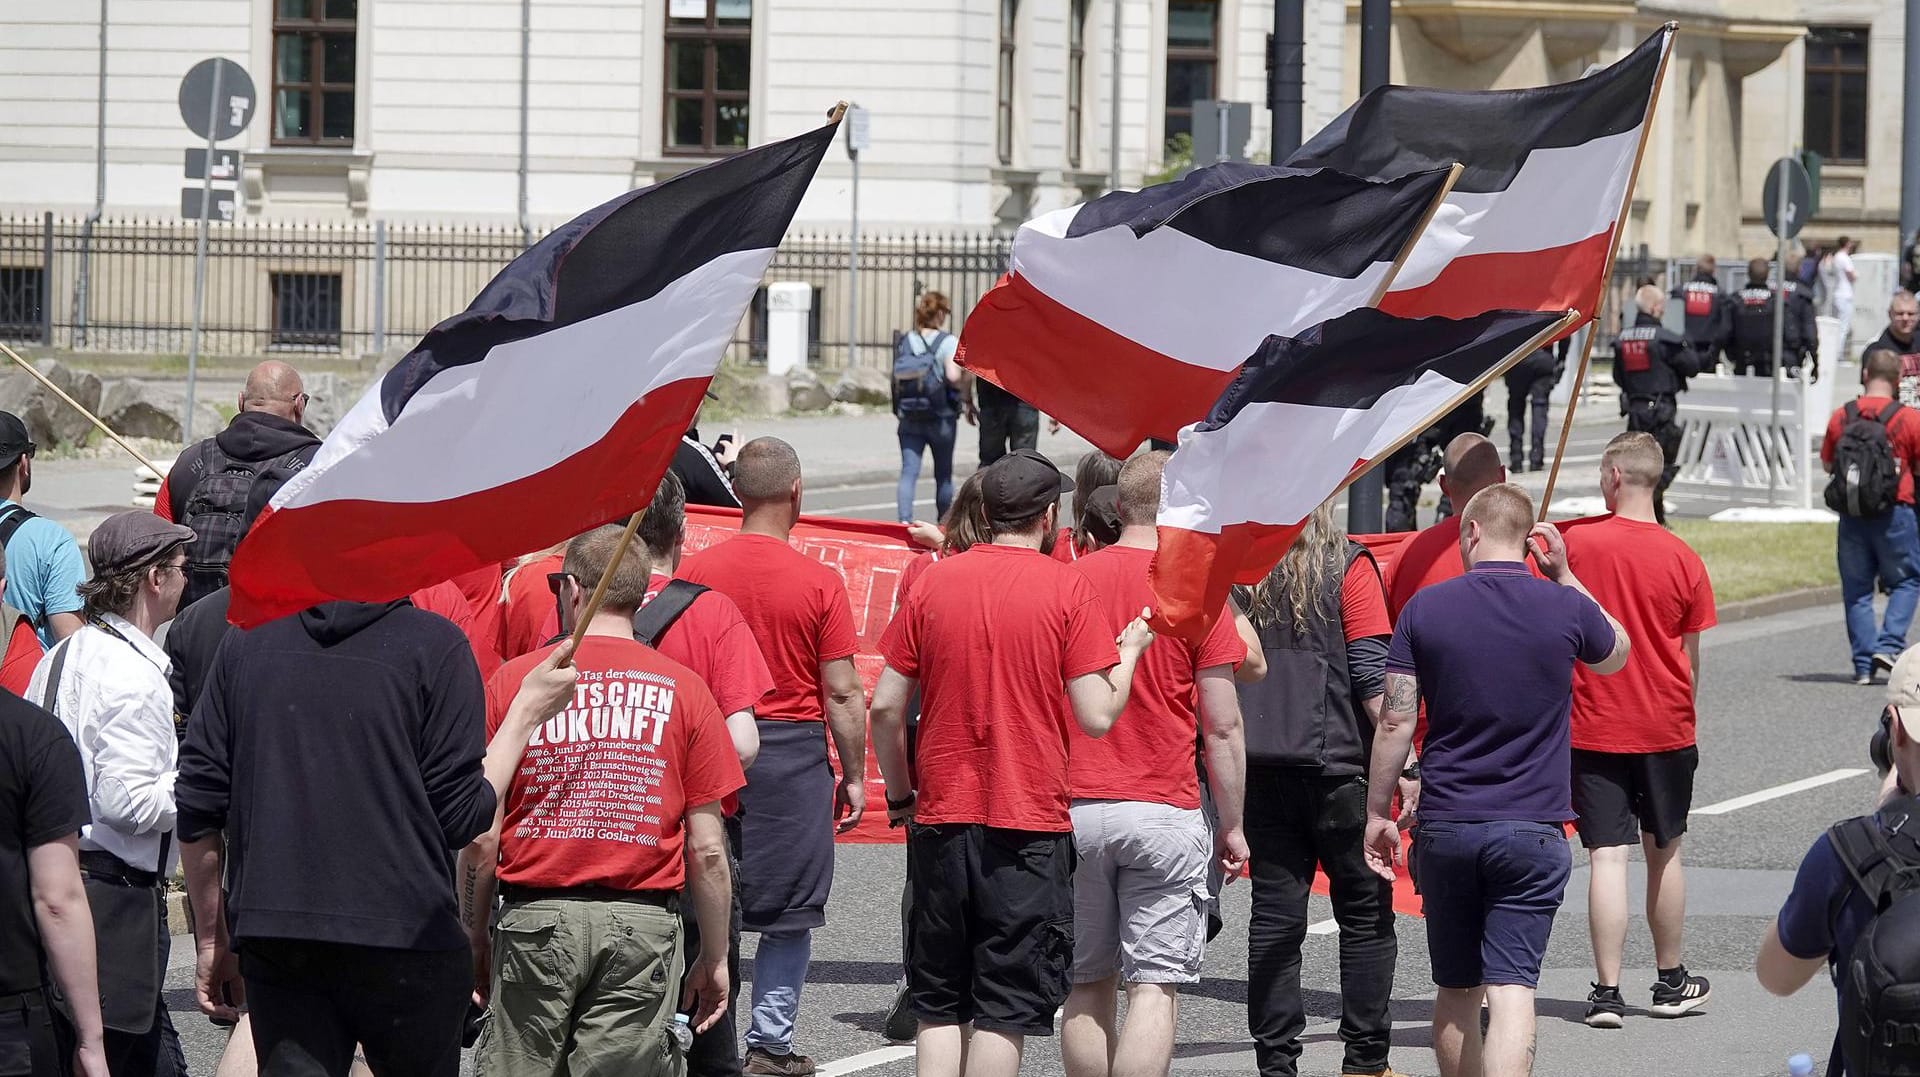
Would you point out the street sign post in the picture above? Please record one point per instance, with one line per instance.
(226, 165)
(857, 140)
(1783, 201)
(216, 102)
(1220, 131)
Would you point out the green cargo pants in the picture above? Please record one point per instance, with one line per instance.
(583, 988)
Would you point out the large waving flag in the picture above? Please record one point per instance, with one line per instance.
(1531, 223)
(551, 405)
(1301, 420)
(1126, 316)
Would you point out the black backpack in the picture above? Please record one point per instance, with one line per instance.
(1866, 478)
(652, 620)
(920, 378)
(216, 510)
(1880, 980)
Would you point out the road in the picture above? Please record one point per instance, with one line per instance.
(1775, 709)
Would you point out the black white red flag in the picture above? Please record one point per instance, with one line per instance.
(1300, 421)
(551, 405)
(1126, 316)
(1546, 176)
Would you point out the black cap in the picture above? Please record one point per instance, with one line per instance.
(15, 442)
(1020, 485)
(1100, 516)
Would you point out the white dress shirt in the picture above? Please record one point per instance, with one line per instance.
(115, 701)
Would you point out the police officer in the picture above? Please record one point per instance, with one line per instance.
(1529, 387)
(1753, 312)
(1708, 317)
(1651, 364)
(1416, 463)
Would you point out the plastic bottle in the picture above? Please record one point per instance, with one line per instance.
(1800, 1066)
(682, 1031)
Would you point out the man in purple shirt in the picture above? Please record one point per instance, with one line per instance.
(1492, 653)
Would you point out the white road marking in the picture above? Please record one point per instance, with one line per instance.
(1778, 791)
(866, 1060)
(1324, 927)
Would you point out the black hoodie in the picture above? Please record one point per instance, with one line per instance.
(253, 437)
(340, 750)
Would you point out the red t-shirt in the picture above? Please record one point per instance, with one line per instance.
(713, 641)
(163, 501)
(529, 606)
(912, 573)
(1363, 601)
(1657, 588)
(1063, 550)
(601, 797)
(23, 653)
(1427, 558)
(796, 607)
(481, 588)
(994, 635)
(446, 599)
(1903, 430)
(1148, 754)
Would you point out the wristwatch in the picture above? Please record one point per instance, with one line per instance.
(904, 803)
(1412, 773)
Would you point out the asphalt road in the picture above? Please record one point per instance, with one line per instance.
(1776, 708)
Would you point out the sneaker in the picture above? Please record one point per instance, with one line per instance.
(1678, 1000)
(1605, 1008)
(764, 1063)
(1863, 678)
(900, 1025)
(1883, 663)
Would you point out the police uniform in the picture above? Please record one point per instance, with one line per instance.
(1752, 341)
(1708, 317)
(1529, 388)
(1651, 364)
(1418, 462)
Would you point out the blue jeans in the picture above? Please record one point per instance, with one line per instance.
(779, 971)
(917, 436)
(1886, 549)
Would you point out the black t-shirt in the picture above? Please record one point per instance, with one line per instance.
(43, 797)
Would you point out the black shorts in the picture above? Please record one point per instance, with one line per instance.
(990, 936)
(1618, 796)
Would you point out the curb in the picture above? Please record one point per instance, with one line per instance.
(1806, 598)
(177, 912)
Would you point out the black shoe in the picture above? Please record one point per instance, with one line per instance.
(1605, 1007)
(1883, 663)
(900, 1026)
(1519, 466)
(1678, 1000)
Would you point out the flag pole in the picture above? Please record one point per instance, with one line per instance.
(91, 417)
(606, 577)
(1606, 272)
(1413, 240)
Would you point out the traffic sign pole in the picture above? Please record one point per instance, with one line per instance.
(1779, 329)
(200, 254)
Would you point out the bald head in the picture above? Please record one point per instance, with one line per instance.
(275, 388)
(1471, 464)
(1651, 300)
(1758, 271)
(767, 469)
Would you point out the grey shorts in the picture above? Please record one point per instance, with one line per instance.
(1140, 892)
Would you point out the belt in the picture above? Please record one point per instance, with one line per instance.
(33, 998)
(107, 867)
(1663, 398)
(516, 894)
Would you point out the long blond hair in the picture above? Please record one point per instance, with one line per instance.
(1292, 590)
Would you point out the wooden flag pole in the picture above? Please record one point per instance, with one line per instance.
(606, 577)
(1413, 240)
(1606, 271)
(91, 417)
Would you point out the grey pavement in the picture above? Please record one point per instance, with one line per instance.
(1775, 708)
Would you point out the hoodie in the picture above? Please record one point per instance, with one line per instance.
(252, 437)
(340, 751)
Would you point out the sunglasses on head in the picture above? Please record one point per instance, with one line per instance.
(556, 581)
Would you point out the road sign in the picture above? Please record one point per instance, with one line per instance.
(1220, 131)
(1799, 197)
(237, 99)
(220, 200)
(857, 139)
(226, 164)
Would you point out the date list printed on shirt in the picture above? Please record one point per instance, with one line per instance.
(593, 771)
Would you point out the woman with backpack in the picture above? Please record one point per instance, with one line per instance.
(926, 380)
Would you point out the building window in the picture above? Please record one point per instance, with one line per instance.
(1003, 96)
(1193, 60)
(306, 309)
(1836, 120)
(313, 71)
(709, 70)
(1076, 79)
(22, 292)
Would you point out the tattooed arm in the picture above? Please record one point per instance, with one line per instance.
(1392, 742)
(473, 884)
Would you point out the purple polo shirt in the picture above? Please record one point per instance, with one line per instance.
(1494, 652)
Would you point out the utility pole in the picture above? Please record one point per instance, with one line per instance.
(1366, 497)
(1286, 92)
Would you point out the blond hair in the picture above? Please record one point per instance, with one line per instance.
(586, 561)
(1504, 512)
(1292, 590)
(1637, 455)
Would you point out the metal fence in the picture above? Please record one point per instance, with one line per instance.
(373, 288)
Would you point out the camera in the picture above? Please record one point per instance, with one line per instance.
(1880, 748)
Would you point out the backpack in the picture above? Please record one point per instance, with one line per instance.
(652, 620)
(216, 510)
(920, 378)
(1866, 478)
(1880, 980)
